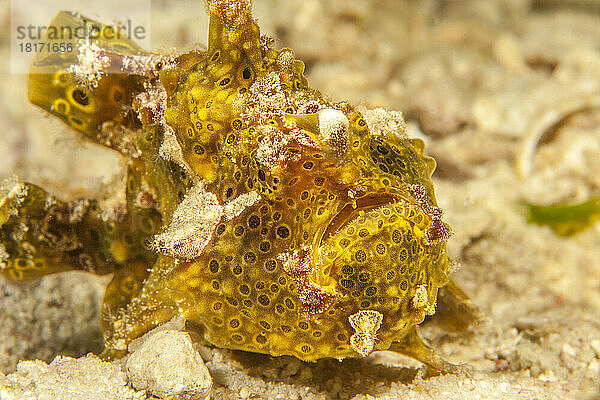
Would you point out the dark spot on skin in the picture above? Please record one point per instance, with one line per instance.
(232, 301)
(214, 266)
(308, 165)
(364, 277)
(246, 73)
(264, 300)
(347, 283)
(289, 304)
(198, 149)
(261, 339)
(347, 270)
(270, 265)
(250, 257)
(81, 97)
(117, 96)
(236, 123)
(283, 232)
(254, 221)
(265, 325)
(265, 246)
(360, 256)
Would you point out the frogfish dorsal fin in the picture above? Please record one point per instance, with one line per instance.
(232, 29)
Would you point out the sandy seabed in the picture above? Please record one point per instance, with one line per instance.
(506, 95)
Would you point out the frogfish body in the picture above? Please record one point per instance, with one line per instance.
(269, 217)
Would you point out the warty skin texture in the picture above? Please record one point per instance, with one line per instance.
(269, 217)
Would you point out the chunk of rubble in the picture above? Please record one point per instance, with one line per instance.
(165, 363)
(68, 378)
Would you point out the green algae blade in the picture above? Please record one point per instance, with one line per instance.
(565, 219)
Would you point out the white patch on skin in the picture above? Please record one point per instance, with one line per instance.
(236, 206)
(419, 300)
(431, 309)
(263, 101)
(285, 60)
(234, 14)
(195, 220)
(380, 121)
(146, 65)
(366, 323)
(79, 208)
(314, 298)
(170, 150)
(19, 232)
(12, 194)
(3, 256)
(272, 148)
(333, 127)
(192, 225)
(114, 210)
(91, 62)
(11, 188)
(154, 99)
(117, 136)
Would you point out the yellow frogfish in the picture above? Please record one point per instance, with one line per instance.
(269, 217)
